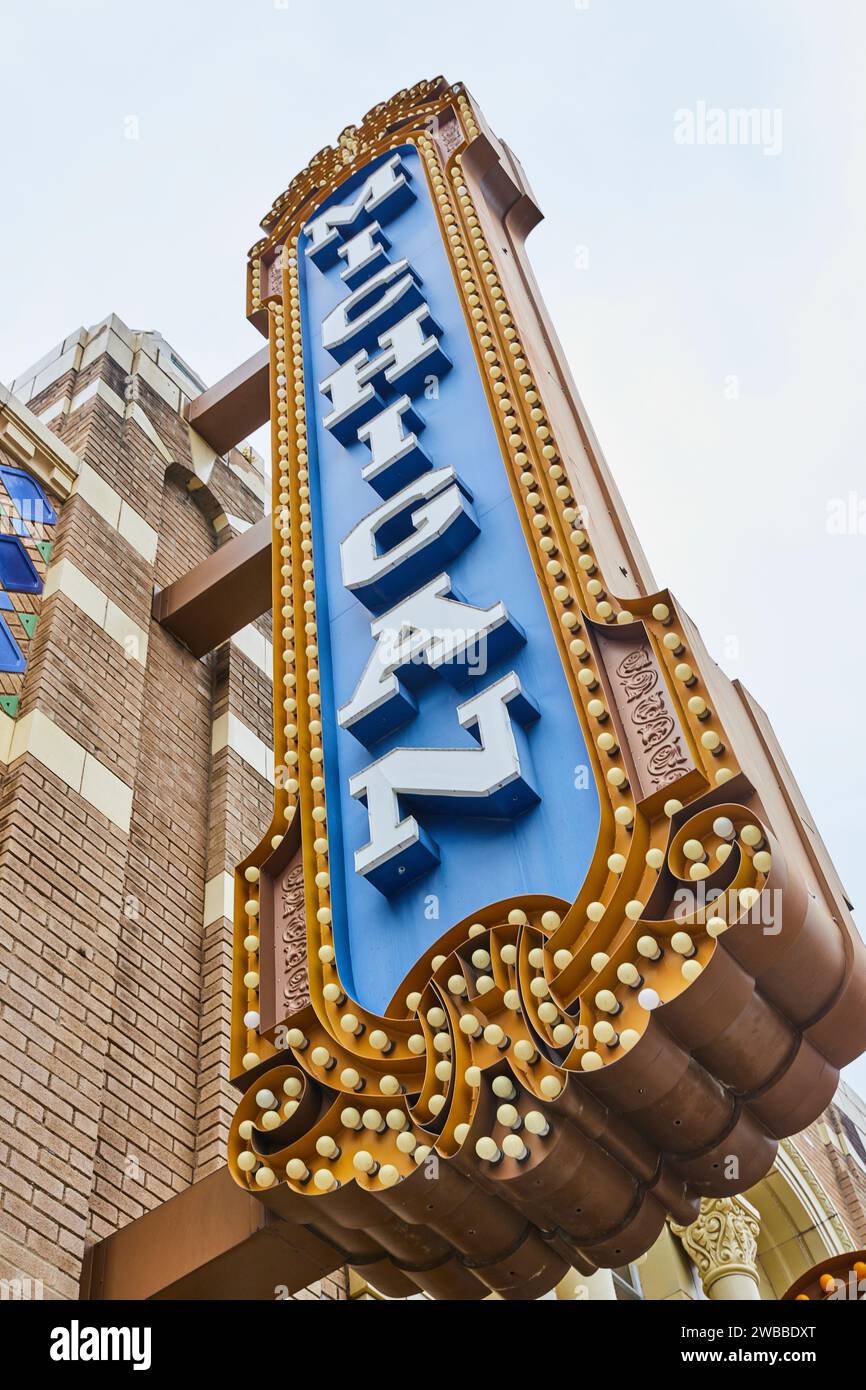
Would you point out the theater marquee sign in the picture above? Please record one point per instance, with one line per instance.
(538, 948)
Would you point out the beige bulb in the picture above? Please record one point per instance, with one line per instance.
(590, 1061)
(488, 1149)
(599, 961)
(562, 959)
(628, 974)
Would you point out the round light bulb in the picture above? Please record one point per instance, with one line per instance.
(591, 1061)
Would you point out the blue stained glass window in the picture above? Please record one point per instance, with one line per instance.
(17, 571)
(31, 501)
(10, 652)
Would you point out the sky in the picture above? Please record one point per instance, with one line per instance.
(711, 296)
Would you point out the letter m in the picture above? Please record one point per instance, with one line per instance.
(383, 195)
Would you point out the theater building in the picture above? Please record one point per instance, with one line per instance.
(217, 1083)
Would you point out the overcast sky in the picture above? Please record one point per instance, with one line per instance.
(711, 297)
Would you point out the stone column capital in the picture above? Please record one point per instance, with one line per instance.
(723, 1242)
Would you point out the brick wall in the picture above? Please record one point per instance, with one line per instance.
(116, 820)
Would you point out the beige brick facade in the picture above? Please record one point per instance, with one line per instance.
(114, 818)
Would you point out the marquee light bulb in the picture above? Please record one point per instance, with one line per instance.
(252, 1020)
(363, 1161)
(407, 1143)
(504, 1088)
(649, 948)
(413, 1001)
(417, 1044)
(494, 1035)
(596, 709)
(396, 1120)
(723, 826)
(591, 1061)
(536, 1123)
(517, 918)
(536, 958)
(422, 1153)
(481, 959)
(606, 743)
(513, 1147)
(673, 643)
(350, 1118)
(327, 1147)
(697, 872)
(297, 1170)
(762, 861)
(624, 815)
(443, 1071)
(251, 979)
(251, 1059)
(508, 955)
(649, 1000)
(469, 1024)
(694, 850)
(477, 929)
(606, 1000)
(245, 1130)
(751, 836)
(748, 897)
(595, 911)
(599, 961)
(457, 985)
(634, 910)
(548, 1012)
(723, 853)
(296, 1039)
(379, 1040)
(525, 1052)
(350, 1078)
(389, 1086)
(629, 975)
(437, 1018)
(683, 944)
(472, 1077)
(271, 1119)
(388, 1175)
(616, 863)
(442, 1042)
(539, 987)
(265, 1100)
(251, 945)
(265, 1177)
(350, 1023)
(320, 1057)
(333, 994)
(372, 1119)
(562, 959)
(551, 921)
(487, 1149)
(437, 963)
(691, 969)
(484, 984)
(551, 1087)
(247, 1161)
(511, 1000)
(715, 926)
(604, 1032)
(661, 613)
(655, 858)
(628, 1038)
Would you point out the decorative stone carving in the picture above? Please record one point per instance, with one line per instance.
(723, 1242)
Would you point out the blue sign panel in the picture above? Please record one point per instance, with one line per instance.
(454, 759)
